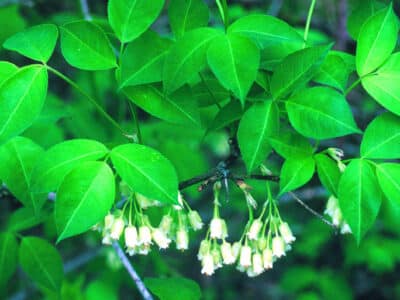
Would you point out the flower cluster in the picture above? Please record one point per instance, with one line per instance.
(333, 210)
(138, 232)
(262, 242)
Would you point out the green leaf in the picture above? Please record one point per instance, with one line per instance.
(258, 123)
(21, 100)
(84, 197)
(231, 112)
(7, 69)
(328, 173)
(388, 177)
(382, 138)
(18, 157)
(177, 108)
(60, 159)
(333, 72)
(290, 144)
(267, 31)
(234, 60)
(24, 218)
(41, 262)
(177, 288)
(376, 40)
(37, 42)
(321, 113)
(130, 18)
(201, 92)
(8, 256)
(383, 84)
(187, 57)
(143, 59)
(85, 46)
(295, 173)
(359, 196)
(147, 172)
(185, 15)
(296, 69)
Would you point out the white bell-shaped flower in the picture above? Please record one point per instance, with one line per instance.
(257, 264)
(245, 256)
(286, 233)
(278, 246)
(117, 228)
(207, 265)
(195, 220)
(144, 235)
(160, 238)
(218, 229)
(268, 259)
(182, 239)
(255, 229)
(227, 253)
(131, 237)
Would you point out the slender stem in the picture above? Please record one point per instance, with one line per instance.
(308, 22)
(85, 10)
(125, 261)
(355, 83)
(91, 100)
(223, 11)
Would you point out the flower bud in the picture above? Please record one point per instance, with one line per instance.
(207, 264)
(227, 253)
(255, 229)
(257, 264)
(331, 206)
(203, 249)
(250, 200)
(337, 217)
(268, 258)
(278, 246)
(166, 223)
(216, 254)
(286, 233)
(245, 256)
(108, 221)
(160, 238)
(117, 228)
(182, 239)
(195, 220)
(131, 237)
(262, 243)
(218, 229)
(144, 236)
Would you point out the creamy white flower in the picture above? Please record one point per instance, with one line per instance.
(227, 253)
(203, 249)
(195, 220)
(217, 257)
(268, 258)
(131, 237)
(144, 235)
(145, 202)
(337, 217)
(278, 246)
(286, 233)
(345, 229)
(106, 239)
(236, 249)
(207, 264)
(108, 221)
(245, 256)
(262, 243)
(160, 238)
(254, 230)
(218, 229)
(182, 239)
(257, 264)
(117, 228)
(166, 223)
(331, 205)
(143, 249)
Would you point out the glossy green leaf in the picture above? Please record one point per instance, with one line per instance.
(143, 59)
(234, 60)
(7, 69)
(333, 72)
(383, 84)
(84, 197)
(177, 108)
(296, 69)
(328, 173)
(185, 15)
(37, 42)
(359, 196)
(258, 123)
(382, 138)
(130, 18)
(175, 288)
(295, 173)
(321, 113)
(376, 40)
(85, 46)
(201, 92)
(187, 57)
(147, 172)
(21, 100)
(18, 157)
(61, 159)
(290, 144)
(8, 256)
(41, 262)
(267, 31)
(231, 112)
(24, 218)
(388, 177)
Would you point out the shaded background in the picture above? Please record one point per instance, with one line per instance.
(321, 265)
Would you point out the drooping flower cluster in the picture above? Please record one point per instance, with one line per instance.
(138, 232)
(333, 210)
(263, 241)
